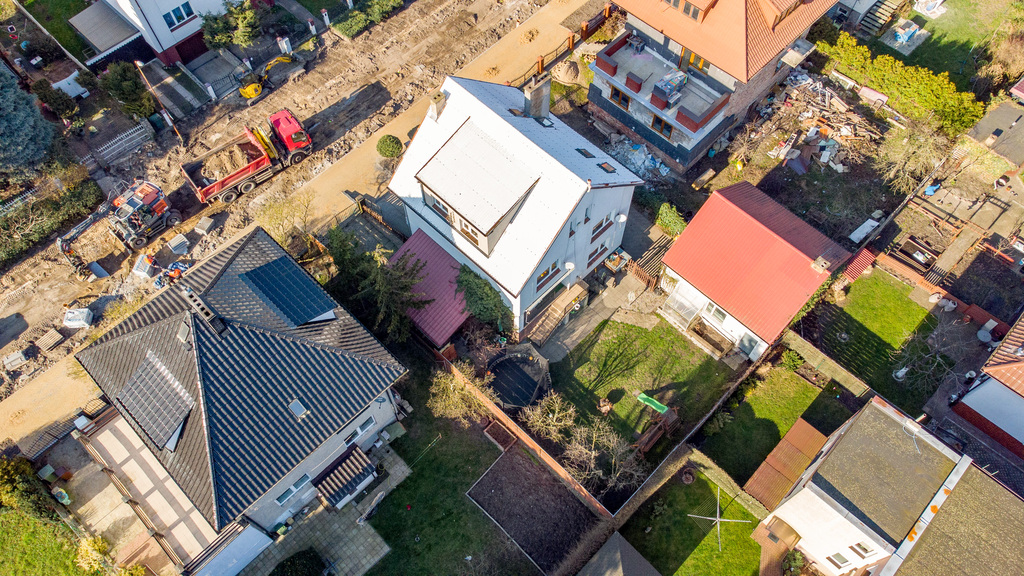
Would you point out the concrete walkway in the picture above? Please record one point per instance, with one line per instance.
(569, 335)
(504, 61)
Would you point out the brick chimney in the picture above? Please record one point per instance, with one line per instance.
(537, 96)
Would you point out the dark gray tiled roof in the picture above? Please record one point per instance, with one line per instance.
(618, 558)
(883, 473)
(240, 438)
(344, 475)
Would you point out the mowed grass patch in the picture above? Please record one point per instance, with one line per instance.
(618, 361)
(54, 16)
(677, 546)
(33, 547)
(765, 416)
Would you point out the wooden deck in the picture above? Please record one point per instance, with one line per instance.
(772, 553)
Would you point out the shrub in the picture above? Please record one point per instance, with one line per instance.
(793, 563)
(87, 80)
(450, 398)
(133, 570)
(91, 553)
(648, 199)
(23, 227)
(351, 24)
(57, 101)
(389, 146)
(305, 563)
(21, 490)
(717, 423)
(669, 220)
(47, 48)
(791, 360)
(366, 12)
(124, 83)
(912, 90)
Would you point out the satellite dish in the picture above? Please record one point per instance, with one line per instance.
(621, 218)
(570, 266)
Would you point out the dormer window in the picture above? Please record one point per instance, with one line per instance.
(691, 11)
(673, 3)
(786, 12)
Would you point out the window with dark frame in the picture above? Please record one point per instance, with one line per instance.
(619, 98)
(178, 15)
(606, 167)
(661, 126)
(691, 11)
(691, 59)
(673, 3)
(546, 274)
(585, 153)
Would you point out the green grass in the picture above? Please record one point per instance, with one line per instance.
(447, 524)
(765, 417)
(878, 317)
(32, 547)
(334, 7)
(54, 16)
(677, 546)
(617, 360)
(966, 24)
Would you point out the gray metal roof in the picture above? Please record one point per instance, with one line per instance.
(240, 438)
(1006, 122)
(884, 471)
(618, 558)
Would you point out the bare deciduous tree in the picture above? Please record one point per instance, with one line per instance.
(926, 360)
(601, 460)
(550, 417)
(906, 156)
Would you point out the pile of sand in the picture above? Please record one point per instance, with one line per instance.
(224, 163)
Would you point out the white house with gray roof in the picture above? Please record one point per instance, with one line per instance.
(239, 394)
(511, 191)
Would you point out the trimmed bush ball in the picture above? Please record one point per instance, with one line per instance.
(389, 146)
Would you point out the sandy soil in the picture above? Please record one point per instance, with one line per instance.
(224, 163)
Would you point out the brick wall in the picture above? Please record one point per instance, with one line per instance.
(756, 88)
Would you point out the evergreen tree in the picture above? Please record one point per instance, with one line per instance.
(124, 83)
(246, 22)
(25, 136)
(390, 287)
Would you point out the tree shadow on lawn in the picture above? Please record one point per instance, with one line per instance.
(741, 446)
(858, 349)
(676, 539)
(826, 414)
(939, 54)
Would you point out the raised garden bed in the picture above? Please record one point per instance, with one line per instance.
(499, 435)
(533, 507)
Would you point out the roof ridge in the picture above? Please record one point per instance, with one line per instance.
(318, 345)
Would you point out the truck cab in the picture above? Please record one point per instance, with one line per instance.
(290, 133)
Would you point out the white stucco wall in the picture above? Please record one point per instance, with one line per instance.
(601, 203)
(147, 16)
(731, 328)
(267, 512)
(824, 531)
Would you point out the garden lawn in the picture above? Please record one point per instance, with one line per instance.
(878, 317)
(765, 417)
(54, 16)
(32, 547)
(447, 523)
(617, 360)
(677, 546)
(966, 24)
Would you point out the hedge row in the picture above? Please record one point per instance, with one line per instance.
(27, 225)
(910, 89)
(364, 13)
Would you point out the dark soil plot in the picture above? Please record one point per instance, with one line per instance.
(533, 507)
(980, 278)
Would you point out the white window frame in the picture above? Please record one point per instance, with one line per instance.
(293, 489)
(838, 560)
(862, 549)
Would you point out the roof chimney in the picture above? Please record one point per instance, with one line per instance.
(820, 264)
(537, 96)
(200, 307)
(437, 103)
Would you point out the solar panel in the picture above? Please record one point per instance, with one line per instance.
(286, 287)
(155, 399)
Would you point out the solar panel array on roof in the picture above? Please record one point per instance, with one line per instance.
(156, 400)
(288, 289)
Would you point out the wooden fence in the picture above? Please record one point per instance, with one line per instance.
(822, 363)
(530, 444)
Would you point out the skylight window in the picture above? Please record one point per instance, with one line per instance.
(545, 122)
(585, 153)
(298, 409)
(606, 167)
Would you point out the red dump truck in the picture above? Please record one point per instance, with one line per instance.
(263, 150)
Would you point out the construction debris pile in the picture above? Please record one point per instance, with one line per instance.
(827, 133)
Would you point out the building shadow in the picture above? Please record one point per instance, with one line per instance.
(11, 328)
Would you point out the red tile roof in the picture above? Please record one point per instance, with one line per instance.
(753, 258)
(861, 261)
(1005, 364)
(785, 464)
(442, 317)
(734, 35)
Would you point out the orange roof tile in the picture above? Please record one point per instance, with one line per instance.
(1007, 363)
(734, 35)
(784, 465)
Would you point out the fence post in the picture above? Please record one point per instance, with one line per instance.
(540, 64)
(608, 10)
(327, 19)
(572, 41)
(584, 28)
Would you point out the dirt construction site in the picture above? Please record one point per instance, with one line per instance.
(343, 93)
